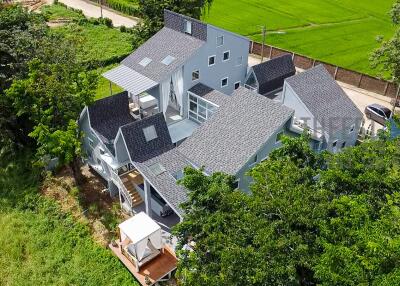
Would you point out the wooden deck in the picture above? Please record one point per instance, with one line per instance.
(155, 269)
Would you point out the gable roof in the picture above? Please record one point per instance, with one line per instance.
(237, 130)
(108, 114)
(209, 94)
(271, 74)
(165, 183)
(138, 147)
(325, 99)
(164, 43)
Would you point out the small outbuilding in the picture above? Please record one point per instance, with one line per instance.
(267, 78)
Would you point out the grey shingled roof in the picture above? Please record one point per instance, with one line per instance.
(138, 148)
(166, 42)
(271, 74)
(165, 183)
(325, 99)
(209, 94)
(235, 132)
(107, 115)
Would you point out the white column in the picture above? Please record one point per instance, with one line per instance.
(147, 197)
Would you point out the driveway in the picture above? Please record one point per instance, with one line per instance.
(91, 10)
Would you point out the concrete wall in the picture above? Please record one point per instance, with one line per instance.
(338, 73)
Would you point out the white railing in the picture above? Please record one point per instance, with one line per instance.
(117, 180)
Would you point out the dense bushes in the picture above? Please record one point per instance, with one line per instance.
(127, 7)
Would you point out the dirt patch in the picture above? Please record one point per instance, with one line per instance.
(89, 203)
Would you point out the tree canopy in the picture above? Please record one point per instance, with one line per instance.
(46, 88)
(152, 15)
(328, 219)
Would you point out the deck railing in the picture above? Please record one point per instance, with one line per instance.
(117, 180)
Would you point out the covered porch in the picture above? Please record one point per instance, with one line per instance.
(142, 249)
(147, 96)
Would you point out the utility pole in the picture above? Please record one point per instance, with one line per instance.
(101, 8)
(264, 31)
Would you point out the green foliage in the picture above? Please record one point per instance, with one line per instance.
(340, 32)
(152, 14)
(41, 245)
(99, 45)
(387, 56)
(328, 219)
(61, 11)
(128, 7)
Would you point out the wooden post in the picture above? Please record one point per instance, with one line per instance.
(270, 52)
(263, 42)
(359, 82)
(147, 197)
(336, 71)
(110, 88)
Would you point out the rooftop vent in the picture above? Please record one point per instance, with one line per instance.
(145, 62)
(168, 60)
(157, 169)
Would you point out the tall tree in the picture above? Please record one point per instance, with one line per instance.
(387, 56)
(20, 35)
(152, 14)
(52, 96)
(326, 219)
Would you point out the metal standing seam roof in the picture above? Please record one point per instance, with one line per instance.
(237, 130)
(166, 42)
(129, 79)
(325, 99)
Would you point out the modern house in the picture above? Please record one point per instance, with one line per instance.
(185, 52)
(323, 107)
(184, 105)
(267, 78)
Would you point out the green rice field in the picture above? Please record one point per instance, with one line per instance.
(340, 32)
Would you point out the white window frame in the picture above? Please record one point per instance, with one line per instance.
(229, 55)
(336, 145)
(187, 26)
(352, 128)
(91, 143)
(241, 61)
(234, 85)
(208, 62)
(223, 40)
(227, 81)
(198, 72)
(197, 115)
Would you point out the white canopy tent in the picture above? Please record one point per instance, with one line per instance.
(140, 230)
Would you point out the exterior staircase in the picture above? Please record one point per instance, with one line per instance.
(130, 180)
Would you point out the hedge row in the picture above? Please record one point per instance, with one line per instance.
(124, 6)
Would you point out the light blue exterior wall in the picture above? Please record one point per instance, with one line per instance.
(262, 154)
(291, 100)
(212, 75)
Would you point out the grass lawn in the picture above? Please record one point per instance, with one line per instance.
(103, 87)
(55, 12)
(40, 244)
(341, 32)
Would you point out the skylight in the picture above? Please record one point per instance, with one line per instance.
(145, 62)
(168, 60)
(157, 169)
(150, 133)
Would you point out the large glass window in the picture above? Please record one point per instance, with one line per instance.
(199, 109)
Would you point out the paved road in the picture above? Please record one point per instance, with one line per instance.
(91, 10)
